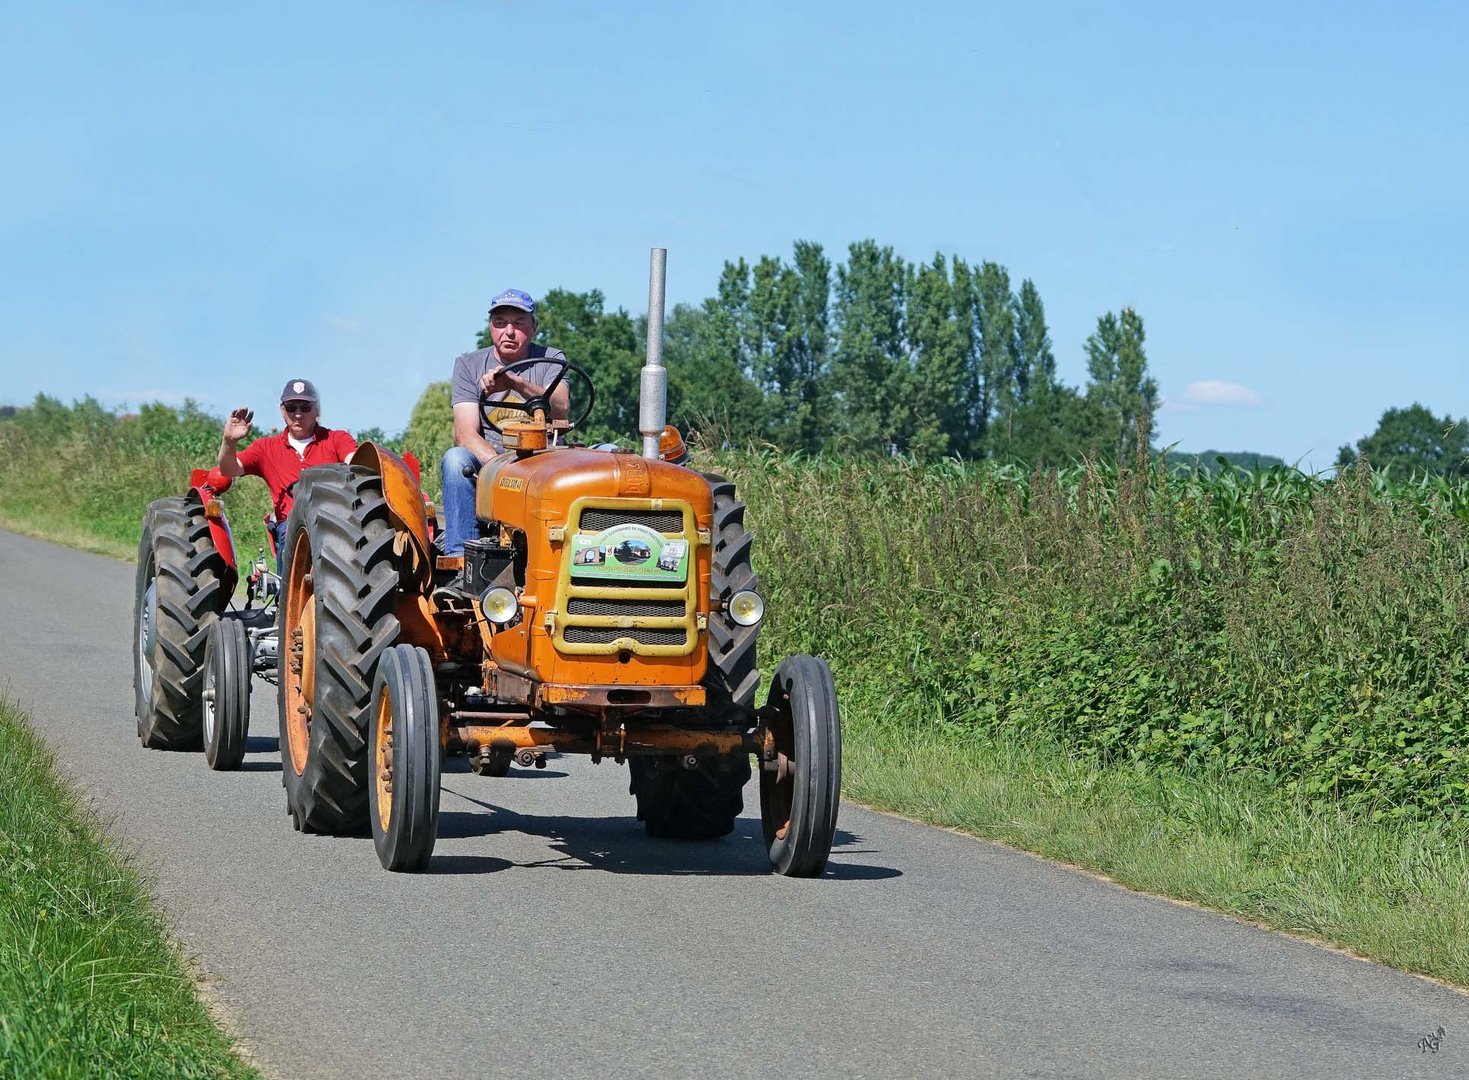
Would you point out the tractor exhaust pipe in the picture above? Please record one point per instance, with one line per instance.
(653, 386)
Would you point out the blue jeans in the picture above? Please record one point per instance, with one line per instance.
(458, 499)
(279, 529)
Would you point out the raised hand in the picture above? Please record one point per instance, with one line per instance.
(238, 425)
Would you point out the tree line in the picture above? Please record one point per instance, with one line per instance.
(1413, 441)
(883, 356)
(874, 354)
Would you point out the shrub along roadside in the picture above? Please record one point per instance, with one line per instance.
(82, 476)
(89, 985)
(1312, 633)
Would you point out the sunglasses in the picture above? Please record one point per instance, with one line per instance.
(298, 407)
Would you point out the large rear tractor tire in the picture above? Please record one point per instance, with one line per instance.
(800, 796)
(226, 696)
(403, 752)
(732, 677)
(179, 593)
(336, 620)
(675, 803)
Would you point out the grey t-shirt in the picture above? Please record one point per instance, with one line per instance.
(470, 367)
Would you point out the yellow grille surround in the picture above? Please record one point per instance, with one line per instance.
(604, 596)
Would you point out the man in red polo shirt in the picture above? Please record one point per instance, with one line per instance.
(279, 459)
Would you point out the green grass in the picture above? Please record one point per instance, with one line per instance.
(62, 529)
(89, 984)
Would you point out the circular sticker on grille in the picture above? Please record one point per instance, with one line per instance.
(629, 552)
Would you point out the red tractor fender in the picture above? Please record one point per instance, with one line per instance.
(207, 485)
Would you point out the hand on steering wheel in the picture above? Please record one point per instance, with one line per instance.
(489, 406)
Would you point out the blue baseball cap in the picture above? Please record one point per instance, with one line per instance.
(299, 390)
(514, 298)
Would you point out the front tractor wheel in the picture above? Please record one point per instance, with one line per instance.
(226, 694)
(336, 620)
(180, 590)
(403, 753)
(801, 789)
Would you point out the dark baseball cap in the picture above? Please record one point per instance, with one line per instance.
(299, 390)
(515, 298)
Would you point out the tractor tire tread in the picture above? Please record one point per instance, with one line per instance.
(344, 513)
(189, 573)
(675, 803)
(732, 678)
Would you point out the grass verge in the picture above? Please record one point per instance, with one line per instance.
(1389, 891)
(64, 529)
(89, 985)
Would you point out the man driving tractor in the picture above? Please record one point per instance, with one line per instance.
(279, 459)
(481, 375)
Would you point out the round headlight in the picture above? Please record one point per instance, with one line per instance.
(746, 608)
(499, 605)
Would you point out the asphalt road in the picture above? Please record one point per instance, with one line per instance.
(550, 937)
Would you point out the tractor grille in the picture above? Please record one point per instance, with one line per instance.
(600, 616)
(578, 605)
(643, 635)
(596, 518)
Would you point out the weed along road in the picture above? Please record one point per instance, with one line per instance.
(551, 937)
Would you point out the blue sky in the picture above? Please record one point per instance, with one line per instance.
(204, 200)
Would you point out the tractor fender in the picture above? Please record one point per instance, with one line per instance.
(405, 510)
(219, 535)
(217, 482)
(206, 485)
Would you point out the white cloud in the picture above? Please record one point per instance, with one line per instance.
(341, 324)
(1219, 392)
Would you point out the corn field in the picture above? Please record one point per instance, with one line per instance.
(1311, 630)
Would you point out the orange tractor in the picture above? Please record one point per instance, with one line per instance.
(607, 607)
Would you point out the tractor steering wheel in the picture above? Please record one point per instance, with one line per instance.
(542, 401)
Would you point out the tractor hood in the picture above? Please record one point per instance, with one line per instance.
(537, 491)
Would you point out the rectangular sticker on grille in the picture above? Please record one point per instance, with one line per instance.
(629, 552)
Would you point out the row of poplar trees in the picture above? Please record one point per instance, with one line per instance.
(875, 354)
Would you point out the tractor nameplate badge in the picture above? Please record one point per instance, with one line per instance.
(512, 483)
(629, 552)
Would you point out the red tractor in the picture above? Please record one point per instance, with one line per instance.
(187, 659)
